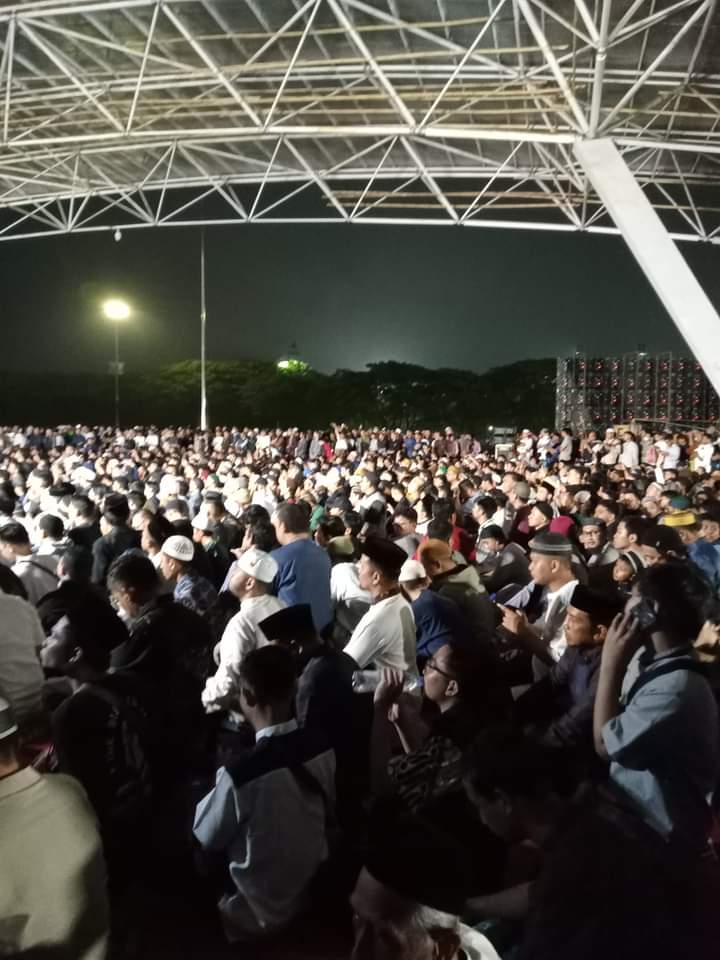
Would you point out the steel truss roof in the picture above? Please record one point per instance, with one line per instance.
(461, 112)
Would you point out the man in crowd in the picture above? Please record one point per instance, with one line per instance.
(406, 901)
(705, 557)
(324, 697)
(38, 574)
(438, 620)
(547, 598)
(405, 524)
(507, 563)
(662, 737)
(52, 541)
(117, 536)
(303, 567)
(628, 535)
(559, 706)
(268, 813)
(598, 550)
(385, 636)
(459, 583)
(189, 588)
(168, 647)
(101, 731)
(21, 678)
(84, 525)
(62, 909)
(251, 583)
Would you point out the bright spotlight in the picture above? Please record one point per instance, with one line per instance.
(116, 310)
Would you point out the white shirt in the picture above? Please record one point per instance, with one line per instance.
(21, 636)
(241, 635)
(551, 625)
(386, 637)
(350, 602)
(38, 575)
(630, 456)
(266, 500)
(672, 457)
(60, 909)
(345, 585)
(704, 455)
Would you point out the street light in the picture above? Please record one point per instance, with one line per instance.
(117, 312)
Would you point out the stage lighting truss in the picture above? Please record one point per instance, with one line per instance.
(122, 115)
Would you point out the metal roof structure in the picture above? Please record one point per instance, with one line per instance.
(137, 113)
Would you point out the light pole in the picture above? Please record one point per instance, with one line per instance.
(116, 311)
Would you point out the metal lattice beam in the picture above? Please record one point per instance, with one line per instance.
(134, 113)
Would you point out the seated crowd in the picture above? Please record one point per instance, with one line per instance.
(449, 703)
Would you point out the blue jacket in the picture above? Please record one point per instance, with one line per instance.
(438, 620)
(707, 558)
(304, 577)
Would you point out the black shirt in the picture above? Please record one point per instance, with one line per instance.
(101, 736)
(107, 548)
(85, 535)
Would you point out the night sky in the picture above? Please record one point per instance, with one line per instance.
(348, 296)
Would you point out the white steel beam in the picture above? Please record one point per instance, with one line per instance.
(210, 63)
(380, 76)
(429, 180)
(600, 63)
(489, 23)
(60, 64)
(676, 38)
(315, 4)
(143, 65)
(7, 74)
(661, 261)
(552, 62)
(318, 180)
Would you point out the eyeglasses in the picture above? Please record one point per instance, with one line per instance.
(431, 665)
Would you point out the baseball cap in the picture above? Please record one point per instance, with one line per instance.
(179, 548)
(258, 564)
(411, 570)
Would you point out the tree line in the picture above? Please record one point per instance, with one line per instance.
(257, 393)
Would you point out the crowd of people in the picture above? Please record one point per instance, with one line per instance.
(457, 701)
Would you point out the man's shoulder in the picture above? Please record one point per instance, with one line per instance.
(278, 753)
(333, 665)
(165, 610)
(16, 610)
(9, 603)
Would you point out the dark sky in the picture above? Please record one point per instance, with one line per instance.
(348, 296)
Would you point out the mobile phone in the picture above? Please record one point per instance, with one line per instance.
(645, 614)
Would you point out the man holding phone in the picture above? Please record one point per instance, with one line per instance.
(662, 738)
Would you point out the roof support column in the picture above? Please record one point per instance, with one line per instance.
(661, 261)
